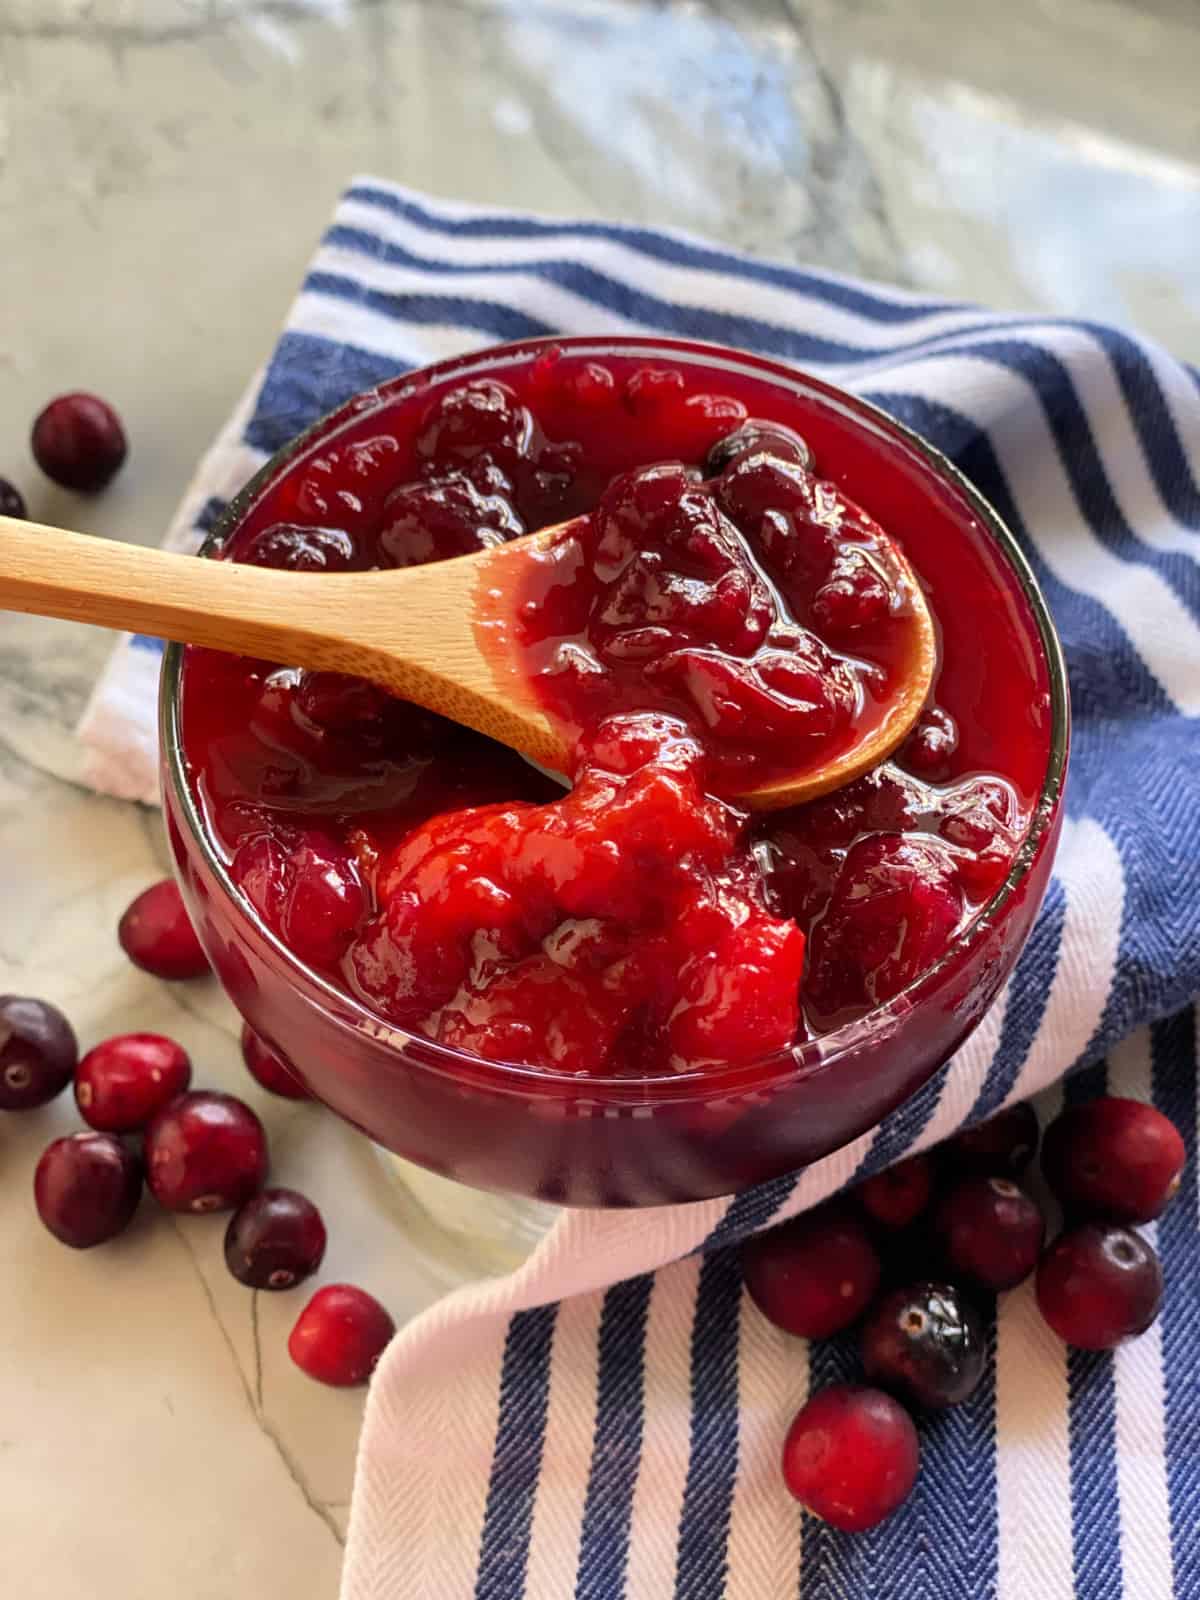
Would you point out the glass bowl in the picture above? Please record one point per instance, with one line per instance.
(624, 1141)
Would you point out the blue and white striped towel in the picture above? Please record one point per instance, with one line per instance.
(606, 1422)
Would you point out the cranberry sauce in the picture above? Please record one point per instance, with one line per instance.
(729, 600)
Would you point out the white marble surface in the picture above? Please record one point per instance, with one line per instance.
(165, 166)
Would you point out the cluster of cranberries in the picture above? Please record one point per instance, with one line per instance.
(908, 1254)
(78, 442)
(196, 1150)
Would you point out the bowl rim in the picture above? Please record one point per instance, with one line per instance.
(803, 1059)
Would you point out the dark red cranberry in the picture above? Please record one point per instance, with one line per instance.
(157, 935)
(814, 1275)
(899, 1195)
(276, 1240)
(851, 1456)
(38, 1052)
(205, 1152)
(87, 1187)
(926, 1343)
(121, 1083)
(929, 747)
(79, 442)
(268, 1067)
(1099, 1284)
(990, 1232)
(291, 548)
(768, 438)
(340, 1336)
(1113, 1159)
(1001, 1147)
(12, 502)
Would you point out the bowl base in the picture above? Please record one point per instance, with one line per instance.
(464, 1234)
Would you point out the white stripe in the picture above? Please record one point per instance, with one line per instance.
(1093, 882)
(764, 1533)
(1007, 407)
(658, 1496)
(1033, 1461)
(567, 1449)
(1141, 1430)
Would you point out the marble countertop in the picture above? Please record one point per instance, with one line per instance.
(165, 166)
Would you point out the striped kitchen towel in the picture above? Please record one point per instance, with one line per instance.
(606, 1422)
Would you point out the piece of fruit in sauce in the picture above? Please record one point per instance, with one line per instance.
(726, 599)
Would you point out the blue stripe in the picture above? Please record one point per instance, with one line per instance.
(617, 1449)
(144, 641)
(493, 317)
(1029, 993)
(1173, 1076)
(668, 248)
(944, 1539)
(703, 1558)
(517, 1457)
(751, 1211)
(309, 376)
(1154, 423)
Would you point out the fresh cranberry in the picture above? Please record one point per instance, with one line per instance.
(12, 502)
(340, 1336)
(814, 1275)
(38, 1052)
(269, 1068)
(925, 1342)
(121, 1083)
(1114, 1160)
(87, 1187)
(157, 935)
(929, 747)
(205, 1152)
(276, 1240)
(292, 548)
(1099, 1284)
(990, 1232)
(767, 438)
(1001, 1147)
(898, 1195)
(79, 442)
(851, 1456)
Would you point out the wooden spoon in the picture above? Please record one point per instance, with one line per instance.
(412, 630)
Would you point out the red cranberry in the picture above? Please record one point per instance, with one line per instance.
(851, 1456)
(928, 748)
(340, 1336)
(814, 1275)
(990, 1232)
(79, 442)
(120, 1084)
(768, 438)
(291, 548)
(1001, 1147)
(1113, 1159)
(926, 1343)
(897, 1196)
(268, 1067)
(87, 1187)
(38, 1052)
(205, 1152)
(157, 935)
(275, 1241)
(12, 502)
(1098, 1285)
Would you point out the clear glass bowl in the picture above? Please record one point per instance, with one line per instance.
(622, 1141)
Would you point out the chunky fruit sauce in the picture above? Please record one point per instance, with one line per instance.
(730, 601)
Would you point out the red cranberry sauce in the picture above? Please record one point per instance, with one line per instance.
(722, 603)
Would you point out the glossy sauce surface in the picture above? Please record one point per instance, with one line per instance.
(641, 924)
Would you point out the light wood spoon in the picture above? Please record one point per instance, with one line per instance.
(415, 631)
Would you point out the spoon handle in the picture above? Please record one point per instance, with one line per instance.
(84, 578)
